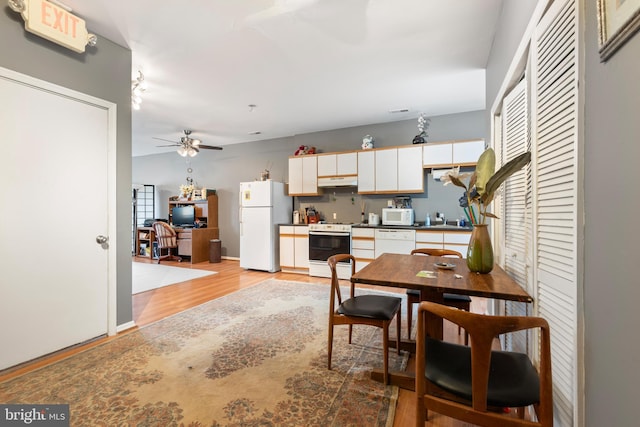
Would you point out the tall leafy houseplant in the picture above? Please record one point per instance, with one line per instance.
(479, 191)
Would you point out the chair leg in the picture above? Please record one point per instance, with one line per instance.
(399, 330)
(421, 412)
(330, 347)
(385, 346)
(409, 316)
(350, 332)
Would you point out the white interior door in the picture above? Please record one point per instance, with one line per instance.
(54, 170)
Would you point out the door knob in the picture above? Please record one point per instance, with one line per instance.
(100, 239)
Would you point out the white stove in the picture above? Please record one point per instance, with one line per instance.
(326, 240)
(337, 227)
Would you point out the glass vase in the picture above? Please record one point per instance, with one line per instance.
(480, 253)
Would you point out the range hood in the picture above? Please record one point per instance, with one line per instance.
(338, 181)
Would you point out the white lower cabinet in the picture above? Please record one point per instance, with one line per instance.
(294, 249)
(457, 241)
(362, 246)
(453, 240)
(429, 239)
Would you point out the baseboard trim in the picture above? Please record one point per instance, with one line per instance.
(125, 326)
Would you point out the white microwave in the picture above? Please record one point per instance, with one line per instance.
(397, 216)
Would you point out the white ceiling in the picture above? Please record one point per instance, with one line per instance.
(308, 65)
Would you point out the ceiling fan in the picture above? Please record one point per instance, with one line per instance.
(188, 146)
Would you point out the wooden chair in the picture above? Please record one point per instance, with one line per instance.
(462, 302)
(475, 383)
(167, 239)
(374, 310)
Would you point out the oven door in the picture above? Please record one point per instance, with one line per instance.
(323, 244)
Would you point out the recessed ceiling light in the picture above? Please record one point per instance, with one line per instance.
(399, 110)
(251, 107)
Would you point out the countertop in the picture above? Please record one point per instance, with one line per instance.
(417, 226)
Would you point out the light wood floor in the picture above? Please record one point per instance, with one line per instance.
(157, 304)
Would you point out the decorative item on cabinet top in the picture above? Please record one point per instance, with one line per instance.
(423, 125)
(367, 142)
(304, 149)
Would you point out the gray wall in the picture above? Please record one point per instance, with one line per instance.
(224, 170)
(104, 72)
(513, 22)
(611, 291)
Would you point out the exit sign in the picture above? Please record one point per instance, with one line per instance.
(54, 23)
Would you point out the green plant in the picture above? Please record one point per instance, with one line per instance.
(482, 184)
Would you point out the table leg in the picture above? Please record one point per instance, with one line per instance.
(434, 323)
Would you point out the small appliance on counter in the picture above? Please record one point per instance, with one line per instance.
(313, 217)
(374, 219)
(401, 202)
(397, 216)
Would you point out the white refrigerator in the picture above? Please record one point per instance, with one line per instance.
(263, 206)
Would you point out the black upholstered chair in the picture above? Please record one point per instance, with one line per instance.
(462, 302)
(374, 310)
(475, 383)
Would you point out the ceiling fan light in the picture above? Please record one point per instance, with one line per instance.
(192, 152)
(182, 151)
(195, 142)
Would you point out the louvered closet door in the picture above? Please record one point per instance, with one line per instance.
(516, 206)
(555, 113)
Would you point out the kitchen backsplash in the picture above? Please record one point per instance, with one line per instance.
(346, 202)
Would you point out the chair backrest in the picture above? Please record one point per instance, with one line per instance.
(165, 235)
(335, 284)
(436, 252)
(483, 329)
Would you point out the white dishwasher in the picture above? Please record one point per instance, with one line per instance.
(394, 241)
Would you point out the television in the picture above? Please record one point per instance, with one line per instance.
(183, 216)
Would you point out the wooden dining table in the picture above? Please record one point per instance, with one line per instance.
(422, 273)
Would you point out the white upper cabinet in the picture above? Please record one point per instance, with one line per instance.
(337, 164)
(366, 171)
(454, 153)
(386, 170)
(303, 175)
(410, 172)
(467, 153)
(347, 163)
(327, 165)
(435, 155)
(391, 170)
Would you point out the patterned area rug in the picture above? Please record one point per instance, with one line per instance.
(256, 357)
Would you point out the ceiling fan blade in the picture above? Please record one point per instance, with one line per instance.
(168, 140)
(209, 147)
(169, 145)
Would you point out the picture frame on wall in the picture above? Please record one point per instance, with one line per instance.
(618, 21)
